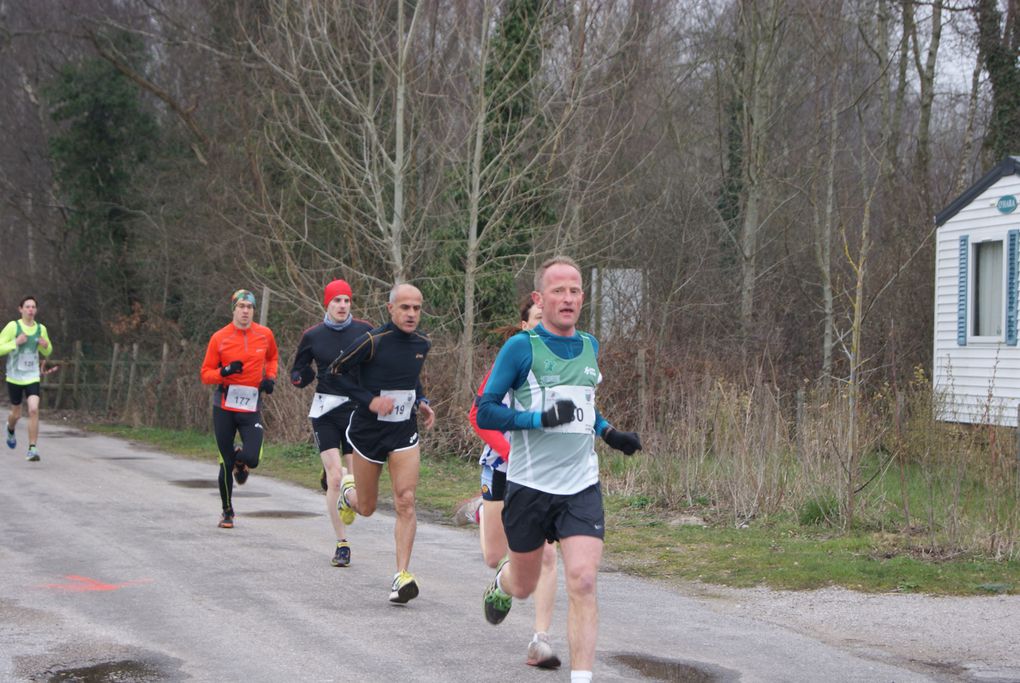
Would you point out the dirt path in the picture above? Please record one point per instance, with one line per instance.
(951, 638)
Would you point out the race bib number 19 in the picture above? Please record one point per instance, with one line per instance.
(403, 402)
(584, 408)
(242, 398)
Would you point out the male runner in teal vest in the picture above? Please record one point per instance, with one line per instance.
(553, 491)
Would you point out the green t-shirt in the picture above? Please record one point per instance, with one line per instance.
(23, 361)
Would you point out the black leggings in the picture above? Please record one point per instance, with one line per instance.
(227, 423)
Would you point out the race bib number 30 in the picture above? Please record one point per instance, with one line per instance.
(584, 408)
(242, 398)
(403, 403)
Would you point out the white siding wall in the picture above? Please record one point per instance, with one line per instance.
(980, 381)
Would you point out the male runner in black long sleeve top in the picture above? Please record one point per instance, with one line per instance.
(384, 426)
(332, 405)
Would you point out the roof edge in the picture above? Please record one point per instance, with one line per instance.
(1008, 166)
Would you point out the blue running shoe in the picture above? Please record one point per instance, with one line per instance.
(342, 557)
(12, 440)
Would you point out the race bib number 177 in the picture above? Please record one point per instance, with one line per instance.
(242, 398)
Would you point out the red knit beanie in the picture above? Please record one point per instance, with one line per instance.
(335, 289)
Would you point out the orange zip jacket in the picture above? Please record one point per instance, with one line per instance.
(254, 347)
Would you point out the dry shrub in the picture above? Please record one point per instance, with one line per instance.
(707, 441)
(969, 474)
(735, 447)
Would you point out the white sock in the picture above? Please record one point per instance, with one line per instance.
(580, 676)
(499, 578)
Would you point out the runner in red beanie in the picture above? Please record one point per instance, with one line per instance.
(334, 289)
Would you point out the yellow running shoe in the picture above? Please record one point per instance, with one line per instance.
(404, 588)
(347, 513)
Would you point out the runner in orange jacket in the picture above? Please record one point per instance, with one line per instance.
(241, 361)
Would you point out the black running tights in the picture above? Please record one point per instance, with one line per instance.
(227, 424)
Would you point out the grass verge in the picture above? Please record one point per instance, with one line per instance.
(665, 545)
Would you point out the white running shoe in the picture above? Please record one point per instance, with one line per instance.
(467, 513)
(540, 653)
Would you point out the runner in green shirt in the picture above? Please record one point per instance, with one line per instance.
(23, 341)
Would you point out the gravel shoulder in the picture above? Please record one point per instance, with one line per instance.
(949, 638)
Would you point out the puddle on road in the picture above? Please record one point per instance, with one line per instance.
(109, 672)
(279, 514)
(195, 483)
(661, 669)
(212, 484)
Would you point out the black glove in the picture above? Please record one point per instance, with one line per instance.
(232, 369)
(302, 377)
(560, 414)
(267, 385)
(628, 442)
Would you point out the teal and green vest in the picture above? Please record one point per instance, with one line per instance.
(23, 361)
(559, 460)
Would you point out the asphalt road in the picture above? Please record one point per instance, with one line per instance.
(112, 569)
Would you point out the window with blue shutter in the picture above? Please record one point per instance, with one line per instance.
(961, 294)
(1013, 236)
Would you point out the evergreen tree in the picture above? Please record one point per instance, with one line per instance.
(999, 47)
(515, 60)
(105, 134)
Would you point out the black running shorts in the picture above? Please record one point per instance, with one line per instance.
(17, 392)
(493, 484)
(532, 517)
(375, 439)
(330, 430)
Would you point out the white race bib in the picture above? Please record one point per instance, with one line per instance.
(323, 403)
(403, 402)
(584, 408)
(28, 362)
(240, 397)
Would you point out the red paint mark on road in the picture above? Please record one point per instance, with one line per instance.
(83, 584)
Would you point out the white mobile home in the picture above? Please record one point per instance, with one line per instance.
(976, 359)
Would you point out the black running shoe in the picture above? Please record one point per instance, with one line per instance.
(226, 520)
(240, 473)
(495, 602)
(322, 480)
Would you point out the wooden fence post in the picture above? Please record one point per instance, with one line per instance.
(162, 376)
(800, 424)
(113, 374)
(60, 391)
(131, 379)
(1017, 477)
(642, 391)
(75, 377)
(264, 310)
(901, 404)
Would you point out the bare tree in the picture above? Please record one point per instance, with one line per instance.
(760, 34)
(340, 88)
